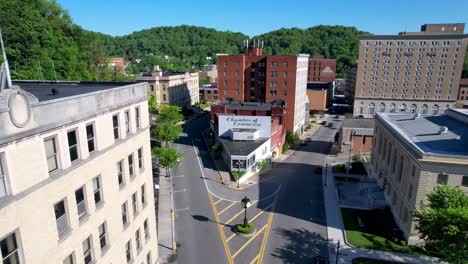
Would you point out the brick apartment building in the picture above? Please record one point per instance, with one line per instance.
(321, 69)
(253, 77)
(415, 72)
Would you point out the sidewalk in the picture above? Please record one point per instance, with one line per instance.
(166, 240)
(335, 230)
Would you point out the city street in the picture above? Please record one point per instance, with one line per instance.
(287, 206)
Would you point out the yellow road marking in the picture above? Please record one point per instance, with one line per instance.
(267, 233)
(220, 230)
(259, 213)
(225, 209)
(255, 259)
(240, 212)
(229, 238)
(250, 240)
(218, 201)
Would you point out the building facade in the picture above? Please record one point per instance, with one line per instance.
(356, 136)
(415, 72)
(210, 71)
(463, 94)
(75, 174)
(350, 84)
(412, 154)
(209, 94)
(180, 89)
(321, 69)
(252, 77)
(320, 96)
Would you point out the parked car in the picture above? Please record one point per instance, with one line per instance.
(303, 143)
(359, 116)
(330, 125)
(308, 140)
(324, 123)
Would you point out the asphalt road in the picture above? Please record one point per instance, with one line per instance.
(288, 209)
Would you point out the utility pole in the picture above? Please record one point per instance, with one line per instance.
(337, 252)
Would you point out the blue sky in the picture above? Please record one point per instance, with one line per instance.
(120, 17)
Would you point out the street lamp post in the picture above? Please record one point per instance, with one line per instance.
(246, 204)
(238, 171)
(337, 252)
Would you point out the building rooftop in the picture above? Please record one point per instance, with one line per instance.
(413, 37)
(358, 123)
(250, 105)
(425, 133)
(242, 148)
(43, 89)
(319, 85)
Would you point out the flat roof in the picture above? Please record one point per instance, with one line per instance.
(359, 123)
(424, 133)
(247, 105)
(242, 148)
(43, 89)
(415, 37)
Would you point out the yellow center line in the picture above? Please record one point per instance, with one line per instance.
(255, 259)
(220, 230)
(250, 240)
(218, 201)
(267, 233)
(229, 238)
(236, 215)
(225, 209)
(259, 213)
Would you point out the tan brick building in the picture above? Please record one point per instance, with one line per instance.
(76, 181)
(411, 154)
(181, 89)
(415, 72)
(356, 134)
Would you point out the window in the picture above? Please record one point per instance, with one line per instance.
(371, 109)
(164, 97)
(87, 251)
(51, 154)
(135, 204)
(124, 214)
(130, 165)
(137, 117)
(424, 109)
(72, 145)
(80, 202)
(143, 195)
(128, 251)
(382, 107)
(3, 191)
(410, 191)
(138, 240)
(90, 137)
(435, 109)
(61, 217)
(464, 182)
(127, 122)
(140, 158)
(69, 260)
(151, 87)
(102, 235)
(97, 190)
(392, 108)
(148, 258)
(9, 250)
(120, 172)
(442, 178)
(115, 125)
(146, 229)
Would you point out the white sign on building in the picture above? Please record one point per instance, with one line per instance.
(228, 122)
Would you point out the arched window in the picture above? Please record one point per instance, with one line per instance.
(403, 108)
(382, 107)
(424, 109)
(413, 108)
(392, 108)
(435, 109)
(371, 109)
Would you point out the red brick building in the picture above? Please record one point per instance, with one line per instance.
(275, 110)
(321, 69)
(252, 77)
(356, 134)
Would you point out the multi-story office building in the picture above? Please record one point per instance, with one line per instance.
(75, 174)
(411, 154)
(321, 69)
(181, 89)
(252, 77)
(463, 94)
(415, 72)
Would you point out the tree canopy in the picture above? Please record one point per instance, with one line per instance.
(443, 222)
(170, 114)
(166, 132)
(168, 157)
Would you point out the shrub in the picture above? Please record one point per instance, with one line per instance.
(292, 138)
(348, 115)
(285, 147)
(238, 174)
(245, 230)
(356, 157)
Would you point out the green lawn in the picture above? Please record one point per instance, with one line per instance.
(376, 233)
(371, 261)
(357, 168)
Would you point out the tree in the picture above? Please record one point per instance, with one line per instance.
(166, 132)
(170, 114)
(262, 164)
(292, 138)
(168, 157)
(152, 104)
(443, 223)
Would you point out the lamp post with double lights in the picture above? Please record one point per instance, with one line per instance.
(245, 204)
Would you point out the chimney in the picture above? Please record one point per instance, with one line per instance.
(443, 130)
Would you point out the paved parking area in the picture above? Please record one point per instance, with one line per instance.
(228, 214)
